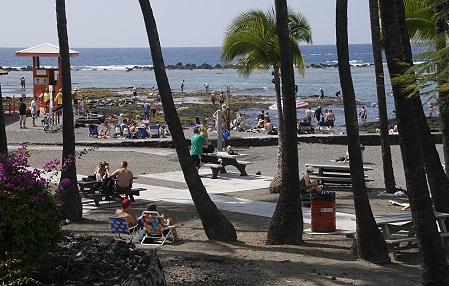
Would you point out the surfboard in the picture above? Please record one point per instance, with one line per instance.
(299, 104)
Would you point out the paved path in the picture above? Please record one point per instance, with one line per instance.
(228, 182)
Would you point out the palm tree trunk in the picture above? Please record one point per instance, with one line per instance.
(438, 181)
(3, 142)
(276, 183)
(443, 96)
(72, 207)
(371, 245)
(433, 260)
(286, 225)
(390, 184)
(216, 225)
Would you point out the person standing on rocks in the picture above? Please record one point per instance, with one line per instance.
(321, 97)
(206, 86)
(212, 99)
(22, 83)
(182, 86)
(318, 114)
(308, 114)
(363, 113)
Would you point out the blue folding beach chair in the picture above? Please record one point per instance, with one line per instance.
(93, 130)
(143, 132)
(154, 130)
(120, 225)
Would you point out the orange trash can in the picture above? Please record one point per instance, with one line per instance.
(323, 212)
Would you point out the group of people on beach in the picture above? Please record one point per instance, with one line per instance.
(117, 126)
(326, 119)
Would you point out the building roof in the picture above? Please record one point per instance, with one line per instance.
(44, 50)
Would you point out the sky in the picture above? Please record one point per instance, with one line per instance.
(181, 23)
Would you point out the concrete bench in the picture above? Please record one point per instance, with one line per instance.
(216, 168)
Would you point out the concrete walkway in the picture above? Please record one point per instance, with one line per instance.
(228, 182)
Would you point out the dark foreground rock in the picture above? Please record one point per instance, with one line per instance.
(87, 261)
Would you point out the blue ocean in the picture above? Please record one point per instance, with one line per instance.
(113, 67)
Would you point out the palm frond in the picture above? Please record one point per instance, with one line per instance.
(252, 41)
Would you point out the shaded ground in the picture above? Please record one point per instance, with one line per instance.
(322, 260)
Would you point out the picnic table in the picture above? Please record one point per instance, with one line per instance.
(87, 191)
(219, 160)
(401, 223)
(336, 174)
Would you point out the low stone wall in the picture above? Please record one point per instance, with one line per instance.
(269, 140)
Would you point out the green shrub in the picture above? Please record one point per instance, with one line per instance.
(29, 221)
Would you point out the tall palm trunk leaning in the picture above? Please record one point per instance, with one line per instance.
(371, 245)
(390, 184)
(438, 181)
(286, 225)
(216, 225)
(3, 142)
(433, 259)
(252, 38)
(71, 208)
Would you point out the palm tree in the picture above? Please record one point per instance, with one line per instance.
(427, 26)
(441, 28)
(216, 225)
(3, 142)
(370, 244)
(438, 181)
(252, 38)
(433, 260)
(72, 207)
(390, 185)
(287, 222)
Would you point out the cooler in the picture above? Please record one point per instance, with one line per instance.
(323, 212)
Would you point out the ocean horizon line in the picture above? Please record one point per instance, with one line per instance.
(172, 47)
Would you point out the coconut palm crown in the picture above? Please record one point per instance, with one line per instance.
(251, 38)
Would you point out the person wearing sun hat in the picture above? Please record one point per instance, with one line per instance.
(308, 183)
(126, 212)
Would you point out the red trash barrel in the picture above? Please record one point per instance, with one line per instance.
(323, 212)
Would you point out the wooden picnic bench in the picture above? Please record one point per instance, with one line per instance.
(336, 174)
(90, 193)
(393, 224)
(218, 161)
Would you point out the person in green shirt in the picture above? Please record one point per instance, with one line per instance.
(196, 150)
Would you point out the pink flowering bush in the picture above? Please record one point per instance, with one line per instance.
(30, 224)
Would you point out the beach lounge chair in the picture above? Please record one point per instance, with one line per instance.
(154, 131)
(155, 231)
(120, 225)
(143, 132)
(93, 130)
